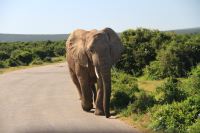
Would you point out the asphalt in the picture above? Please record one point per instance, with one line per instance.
(44, 100)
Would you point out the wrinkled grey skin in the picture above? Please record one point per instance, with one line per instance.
(90, 55)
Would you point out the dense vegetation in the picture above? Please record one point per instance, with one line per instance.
(25, 53)
(159, 54)
(175, 105)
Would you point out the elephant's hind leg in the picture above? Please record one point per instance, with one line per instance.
(76, 82)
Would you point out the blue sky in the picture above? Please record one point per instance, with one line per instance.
(63, 16)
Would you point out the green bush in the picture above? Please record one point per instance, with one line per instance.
(59, 51)
(142, 102)
(167, 65)
(22, 57)
(14, 62)
(37, 62)
(175, 117)
(3, 64)
(120, 99)
(140, 105)
(196, 71)
(39, 53)
(170, 91)
(176, 59)
(58, 59)
(153, 72)
(47, 59)
(123, 88)
(3, 56)
(191, 85)
(172, 54)
(195, 128)
(141, 46)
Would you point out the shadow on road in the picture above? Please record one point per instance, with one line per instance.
(112, 113)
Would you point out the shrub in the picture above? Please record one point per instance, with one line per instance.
(176, 59)
(59, 51)
(3, 55)
(58, 59)
(191, 85)
(194, 128)
(25, 57)
(3, 64)
(142, 102)
(39, 53)
(123, 88)
(196, 71)
(123, 81)
(125, 92)
(22, 57)
(37, 61)
(175, 117)
(47, 59)
(166, 65)
(140, 48)
(119, 99)
(170, 91)
(127, 111)
(152, 71)
(14, 62)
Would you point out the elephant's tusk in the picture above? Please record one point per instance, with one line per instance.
(95, 69)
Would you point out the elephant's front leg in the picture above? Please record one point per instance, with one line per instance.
(94, 93)
(86, 99)
(99, 99)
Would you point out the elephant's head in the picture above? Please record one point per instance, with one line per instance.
(101, 48)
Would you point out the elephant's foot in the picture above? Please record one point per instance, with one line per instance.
(87, 107)
(99, 112)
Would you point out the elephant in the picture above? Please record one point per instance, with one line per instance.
(90, 56)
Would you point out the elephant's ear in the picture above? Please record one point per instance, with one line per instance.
(116, 46)
(76, 47)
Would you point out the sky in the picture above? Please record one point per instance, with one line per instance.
(64, 16)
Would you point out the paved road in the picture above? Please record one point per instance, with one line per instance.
(44, 100)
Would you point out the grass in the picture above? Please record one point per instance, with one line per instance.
(10, 69)
(142, 121)
(139, 122)
(148, 85)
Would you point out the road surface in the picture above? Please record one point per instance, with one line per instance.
(44, 100)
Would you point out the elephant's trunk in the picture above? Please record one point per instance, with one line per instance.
(106, 79)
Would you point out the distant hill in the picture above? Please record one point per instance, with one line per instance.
(186, 31)
(31, 37)
(57, 37)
